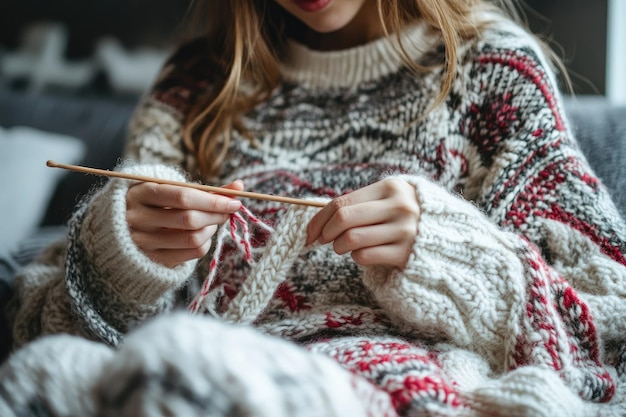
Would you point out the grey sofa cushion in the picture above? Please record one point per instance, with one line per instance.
(101, 123)
(600, 129)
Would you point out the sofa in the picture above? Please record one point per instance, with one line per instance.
(68, 128)
(98, 124)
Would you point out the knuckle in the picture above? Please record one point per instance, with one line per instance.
(398, 188)
(407, 210)
(339, 203)
(189, 220)
(195, 240)
(135, 238)
(393, 185)
(183, 197)
(352, 238)
(343, 215)
(133, 200)
(216, 204)
(362, 257)
(407, 206)
(210, 231)
(408, 232)
(151, 187)
(144, 190)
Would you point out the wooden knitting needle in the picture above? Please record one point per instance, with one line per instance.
(208, 188)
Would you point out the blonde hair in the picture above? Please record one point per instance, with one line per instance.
(244, 41)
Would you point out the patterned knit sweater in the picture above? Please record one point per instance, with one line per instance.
(512, 301)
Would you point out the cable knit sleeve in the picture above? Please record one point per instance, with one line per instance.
(464, 280)
(111, 283)
(97, 283)
(529, 268)
(534, 181)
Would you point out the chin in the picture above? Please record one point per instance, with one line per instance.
(328, 25)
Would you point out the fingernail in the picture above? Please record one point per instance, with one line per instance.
(234, 205)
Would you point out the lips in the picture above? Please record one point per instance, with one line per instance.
(311, 5)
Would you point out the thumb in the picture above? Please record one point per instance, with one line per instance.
(235, 185)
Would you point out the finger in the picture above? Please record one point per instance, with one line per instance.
(376, 235)
(358, 215)
(152, 218)
(317, 223)
(235, 185)
(179, 197)
(392, 255)
(173, 239)
(377, 191)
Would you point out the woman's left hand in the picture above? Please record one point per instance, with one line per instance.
(377, 223)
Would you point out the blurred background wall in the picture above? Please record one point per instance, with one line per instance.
(577, 29)
(136, 22)
(93, 47)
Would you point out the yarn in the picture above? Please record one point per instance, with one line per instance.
(243, 243)
(287, 241)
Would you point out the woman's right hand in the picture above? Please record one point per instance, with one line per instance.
(174, 224)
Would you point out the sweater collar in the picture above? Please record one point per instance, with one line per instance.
(369, 62)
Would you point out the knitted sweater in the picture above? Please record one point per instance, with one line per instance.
(512, 300)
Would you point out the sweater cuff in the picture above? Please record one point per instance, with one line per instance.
(131, 274)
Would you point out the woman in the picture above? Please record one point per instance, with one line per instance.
(467, 260)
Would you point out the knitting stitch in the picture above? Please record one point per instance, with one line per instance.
(243, 243)
(512, 301)
(282, 250)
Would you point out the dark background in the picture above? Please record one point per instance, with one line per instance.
(575, 28)
(135, 22)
